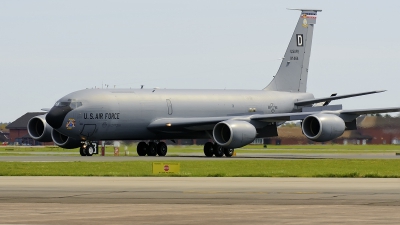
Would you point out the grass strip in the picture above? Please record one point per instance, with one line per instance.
(379, 168)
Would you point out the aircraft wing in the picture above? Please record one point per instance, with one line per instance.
(281, 117)
(317, 100)
(301, 115)
(187, 123)
(370, 111)
(207, 123)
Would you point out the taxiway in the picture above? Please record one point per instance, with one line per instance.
(183, 200)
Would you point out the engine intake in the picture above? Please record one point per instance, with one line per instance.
(64, 141)
(234, 134)
(39, 129)
(323, 127)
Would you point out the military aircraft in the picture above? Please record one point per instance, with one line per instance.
(231, 118)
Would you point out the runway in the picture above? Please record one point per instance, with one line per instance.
(199, 156)
(170, 200)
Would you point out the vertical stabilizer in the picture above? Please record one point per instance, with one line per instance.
(292, 74)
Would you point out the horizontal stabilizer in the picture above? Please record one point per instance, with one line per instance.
(315, 10)
(317, 100)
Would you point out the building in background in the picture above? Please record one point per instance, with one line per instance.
(370, 130)
(4, 138)
(383, 130)
(19, 133)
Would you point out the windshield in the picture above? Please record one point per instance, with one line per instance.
(71, 104)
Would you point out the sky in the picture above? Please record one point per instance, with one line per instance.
(51, 48)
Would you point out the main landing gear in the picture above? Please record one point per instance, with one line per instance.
(160, 148)
(87, 149)
(211, 149)
(152, 148)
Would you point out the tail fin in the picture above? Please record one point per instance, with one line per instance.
(292, 74)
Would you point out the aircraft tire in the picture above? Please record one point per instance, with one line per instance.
(82, 151)
(209, 149)
(162, 149)
(89, 150)
(152, 149)
(142, 148)
(218, 150)
(229, 152)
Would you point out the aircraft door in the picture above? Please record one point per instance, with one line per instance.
(88, 130)
(169, 106)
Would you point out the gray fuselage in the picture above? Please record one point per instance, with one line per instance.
(124, 114)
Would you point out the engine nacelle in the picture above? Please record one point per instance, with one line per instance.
(38, 129)
(323, 127)
(234, 133)
(64, 141)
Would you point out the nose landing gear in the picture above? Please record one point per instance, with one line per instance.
(88, 148)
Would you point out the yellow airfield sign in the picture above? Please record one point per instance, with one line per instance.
(166, 168)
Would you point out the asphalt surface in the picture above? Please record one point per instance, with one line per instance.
(195, 156)
(183, 200)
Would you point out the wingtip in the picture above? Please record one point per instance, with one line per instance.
(379, 91)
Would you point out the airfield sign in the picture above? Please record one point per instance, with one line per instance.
(166, 168)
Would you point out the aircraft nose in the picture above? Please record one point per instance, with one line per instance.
(56, 116)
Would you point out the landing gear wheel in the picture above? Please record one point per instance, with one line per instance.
(89, 150)
(162, 149)
(229, 152)
(209, 149)
(82, 151)
(152, 149)
(218, 150)
(142, 149)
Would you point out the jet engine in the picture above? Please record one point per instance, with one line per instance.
(234, 134)
(64, 141)
(39, 130)
(323, 127)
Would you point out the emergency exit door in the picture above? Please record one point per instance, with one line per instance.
(169, 106)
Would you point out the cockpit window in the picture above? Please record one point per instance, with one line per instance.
(61, 104)
(73, 105)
